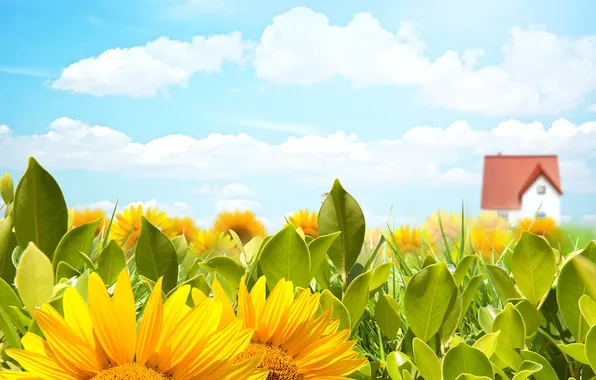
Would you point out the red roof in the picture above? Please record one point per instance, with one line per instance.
(506, 179)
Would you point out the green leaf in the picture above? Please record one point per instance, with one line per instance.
(462, 269)
(576, 351)
(388, 316)
(426, 360)
(339, 309)
(155, 256)
(547, 372)
(341, 212)
(470, 292)
(181, 247)
(590, 348)
(588, 309)
(534, 266)
(318, 250)
(526, 369)
(8, 329)
(451, 322)
(502, 283)
(513, 332)
(380, 275)
(429, 295)
(465, 359)
(8, 298)
(34, 277)
(228, 268)
(6, 188)
(396, 362)
(467, 376)
(356, 297)
(79, 239)
(286, 256)
(64, 270)
(571, 286)
(8, 242)
(111, 262)
(40, 213)
(486, 317)
(530, 315)
(488, 343)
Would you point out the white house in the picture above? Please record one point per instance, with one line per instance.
(520, 187)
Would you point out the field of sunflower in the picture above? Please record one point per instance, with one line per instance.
(139, 295)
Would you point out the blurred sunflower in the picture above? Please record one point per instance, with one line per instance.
(204, 241)
(181, 226)
(307, 221)
(100, 341)
(372, 237)
(451, 223)
(128, 224)
(243, 223)
(80, 217)
(546, 227)
(408, 239)
(490, 235)
(296, 344)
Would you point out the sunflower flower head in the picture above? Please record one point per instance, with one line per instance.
(546, 227)
(408, 239)
(296, 342)
(204, 241)
(181, 226)
(307, 221)
(244, 223)
(126, 229)
(80, 217)
(490, 234)
(100, 340)
(451, 228)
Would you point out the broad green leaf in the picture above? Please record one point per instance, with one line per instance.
(590, 347)
(286, 256)
(406, 375)
(513, 332)
(429, 295)
(470, 292)
(22, 321)
(487, 343)
(40, 213)
(356, 297)
(34, 277)
(318, 250)
(428, 260)
(8, 242)
(252, 248)
(110, 263)
(533, 266)
(9, 329)
(200, 282)
(502, 282)
(570, 287)
(341, 212)
(8, 298)
(388, 316)
(76, 241)
(427, 361)
(576, 351)
(526, 369)
(530, 315)
(6, 188)
(155, 256)
(339, 309)
(380, 275)
(181, 247)
(64, 270)
(396, 362)
(465, 359)
(462, 269)
(228, 268)
(588, 309)
(467, 376)
(451, 322)
(486, 317)
(547, 372)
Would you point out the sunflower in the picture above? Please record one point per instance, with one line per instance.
(307, 221)
(80, 217)
(128, 224)
(181, 226)
(296, 344)
(408, 239)
(243, 223)
(490, 234)
(205, 240)
(451, 223)
(546, 227)
(100, 341)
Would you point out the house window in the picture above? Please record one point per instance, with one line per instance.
(541, 215)
(541, 189)
(503, 214)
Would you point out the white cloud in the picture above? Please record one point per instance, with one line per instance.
(143, 71)
(236, 204)
(4, 130)
(299, 129)
(589, 219)
(540, 71)
(592, 108)
(422, 156)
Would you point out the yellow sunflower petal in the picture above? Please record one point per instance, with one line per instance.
(150, 328)
(220, 296)
(41, 365)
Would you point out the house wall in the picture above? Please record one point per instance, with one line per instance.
(531, 202)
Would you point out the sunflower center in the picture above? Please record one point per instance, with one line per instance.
(244, 233)
(130, 372)
(281, 366)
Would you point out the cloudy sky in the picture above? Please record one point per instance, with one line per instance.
(198, 106)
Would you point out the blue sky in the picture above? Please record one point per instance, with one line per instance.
(196, 106)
